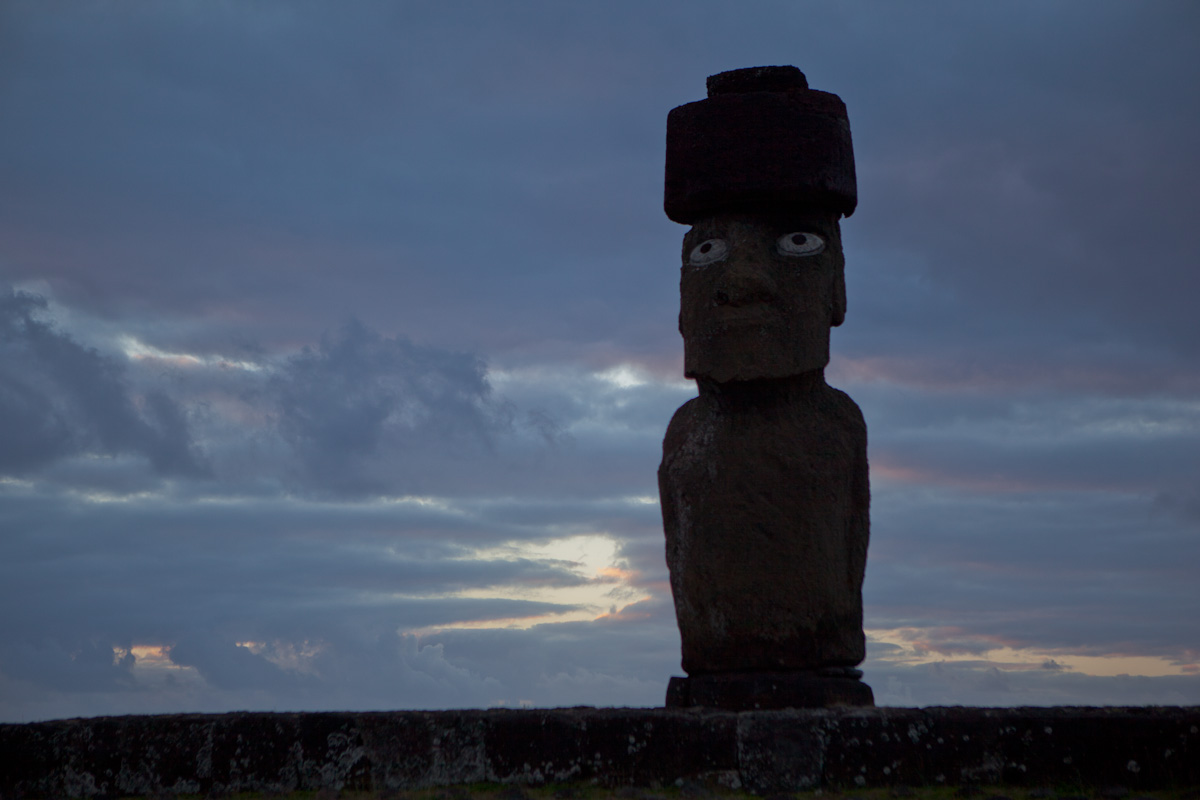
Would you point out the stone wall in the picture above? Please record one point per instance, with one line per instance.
(762, 751)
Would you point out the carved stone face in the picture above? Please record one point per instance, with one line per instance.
(758, 295)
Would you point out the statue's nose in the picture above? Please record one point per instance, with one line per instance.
(744, 282)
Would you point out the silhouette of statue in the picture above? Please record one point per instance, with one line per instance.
(763, 483)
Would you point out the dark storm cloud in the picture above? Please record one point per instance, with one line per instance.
(607, 662)
(1039, 185)
(448, 166)
(402, 161)
(82, 666)
(360, 414)
(482, 189)
(224, 665)
(1088, 574)
(358, 393)
(200, 582)
(1053, 444)
(982, 683)
(59, 398)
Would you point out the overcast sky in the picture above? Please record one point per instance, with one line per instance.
(337, 342)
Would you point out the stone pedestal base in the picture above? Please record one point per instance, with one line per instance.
(748, 691)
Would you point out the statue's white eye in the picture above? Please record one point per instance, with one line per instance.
(800, 244)
(708, 251)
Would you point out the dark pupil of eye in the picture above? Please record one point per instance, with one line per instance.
(704, 248)
(798, 238)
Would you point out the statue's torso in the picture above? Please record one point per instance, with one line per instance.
(765, 505)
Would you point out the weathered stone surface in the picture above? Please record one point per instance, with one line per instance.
(761, 140)
(765, 751)
(780, 758)
(763, 483)
(419, 749)
(757, 312)
(1018, 746)
(609, 746)
(737, 691)
(765, 505)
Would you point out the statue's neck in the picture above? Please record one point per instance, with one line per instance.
(735, 395)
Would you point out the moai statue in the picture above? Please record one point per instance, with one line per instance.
(763, 482)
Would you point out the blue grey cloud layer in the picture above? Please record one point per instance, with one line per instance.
(388, 250)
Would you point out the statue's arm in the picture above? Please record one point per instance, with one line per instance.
(860, 532)
(674, 447)
(858, 526)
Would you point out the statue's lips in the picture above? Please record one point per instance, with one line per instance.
(735, 318)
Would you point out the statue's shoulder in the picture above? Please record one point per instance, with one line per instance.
(842, 409)
(684, 417)
(691, 423)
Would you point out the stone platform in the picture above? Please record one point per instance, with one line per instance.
(759, 691)
(760, 751)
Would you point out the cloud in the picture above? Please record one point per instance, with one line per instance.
(226, 665)
(982, 683)
(201, 460)
(1054, 573)
(359, 396)
(87, 666)
(59, 398)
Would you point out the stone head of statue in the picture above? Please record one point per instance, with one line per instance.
(762, 170)
(759, 293)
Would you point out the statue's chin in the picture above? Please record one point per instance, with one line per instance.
(725, 352)
(742, 368)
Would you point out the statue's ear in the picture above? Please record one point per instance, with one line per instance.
(839, 299)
